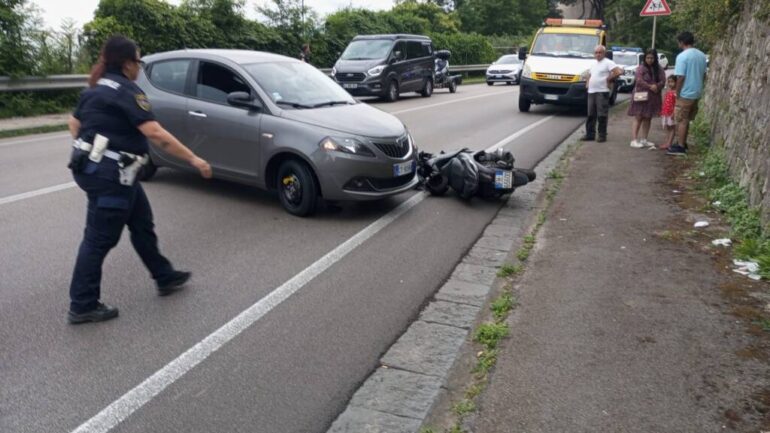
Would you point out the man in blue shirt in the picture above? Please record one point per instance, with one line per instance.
(690, 71)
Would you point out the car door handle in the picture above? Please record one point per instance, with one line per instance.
(197, 114)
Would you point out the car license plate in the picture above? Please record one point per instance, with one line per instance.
(403, 168)
(551, 97)
(350, 85)
(498, 76)
(503, 179)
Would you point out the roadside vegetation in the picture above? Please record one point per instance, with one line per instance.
(751, 238)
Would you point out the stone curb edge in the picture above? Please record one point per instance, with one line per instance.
(412, 379)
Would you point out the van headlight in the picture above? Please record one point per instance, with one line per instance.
(526, 72)
(375, 71)
(345, 145)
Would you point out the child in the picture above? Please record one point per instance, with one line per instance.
(667, 112)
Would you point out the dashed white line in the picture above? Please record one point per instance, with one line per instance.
(134, 399)
(453, 101)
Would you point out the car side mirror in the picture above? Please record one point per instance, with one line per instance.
(243, 100)
(522, 53)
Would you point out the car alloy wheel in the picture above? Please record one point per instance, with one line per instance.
(392, 95)
(297, 188)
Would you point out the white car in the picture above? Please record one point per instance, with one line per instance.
(629, 61)
(662, 60)
(507, 69)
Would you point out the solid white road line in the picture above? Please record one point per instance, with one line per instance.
(32, 140)
(518, 134)
(453, 101)
(37, 192)
(134, 399)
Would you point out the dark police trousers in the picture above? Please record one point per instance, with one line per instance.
(110, 207)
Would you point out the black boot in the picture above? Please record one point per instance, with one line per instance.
(101, 313)
(172, 283)
(602, 129)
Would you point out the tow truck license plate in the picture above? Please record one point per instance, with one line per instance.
(503, 179)
(552, 97)
(403, 168)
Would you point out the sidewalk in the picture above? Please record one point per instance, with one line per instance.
(620, 328)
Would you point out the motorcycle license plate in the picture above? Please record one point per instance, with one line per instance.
(403, 168)
(503, 179)
(350, 85)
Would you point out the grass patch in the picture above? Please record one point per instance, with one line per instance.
(764, 323)
(487, 360)
(25, 104)
(526, 248)
(464, 407)
(508, 269)
(502, 306)
(29, 131)
(489, 335)
(717, 184)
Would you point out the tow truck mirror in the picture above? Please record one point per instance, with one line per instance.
(523, 53)
(609, 54)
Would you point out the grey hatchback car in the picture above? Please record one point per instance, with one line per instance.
(277, 123)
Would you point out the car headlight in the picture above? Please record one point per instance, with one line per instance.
(527, 72)
(630, 72)
(334, 71)
(345, 145)
(375, 71)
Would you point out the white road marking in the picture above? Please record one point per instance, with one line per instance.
(32, 140)
(453, 101)
(518, 134)
(134, 399)
(37, 192)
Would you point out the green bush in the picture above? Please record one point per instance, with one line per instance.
(20, 104)
(466, 48)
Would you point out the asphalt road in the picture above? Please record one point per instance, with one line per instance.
(294, 369)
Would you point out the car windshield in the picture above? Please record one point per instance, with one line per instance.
(626, 59)
(370, 49)
(565, 45)
(508, 60)
(298, 85)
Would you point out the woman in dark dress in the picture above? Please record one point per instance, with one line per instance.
(646, 98)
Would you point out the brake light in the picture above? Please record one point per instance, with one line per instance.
(573, 23)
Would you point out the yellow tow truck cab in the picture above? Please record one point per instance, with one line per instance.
(556, 65)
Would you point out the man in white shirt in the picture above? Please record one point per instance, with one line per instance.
(600, 79)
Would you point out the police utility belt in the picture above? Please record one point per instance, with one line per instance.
(129, 164)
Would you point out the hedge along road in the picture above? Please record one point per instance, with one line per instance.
(315, 322)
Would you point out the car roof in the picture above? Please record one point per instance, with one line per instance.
(241, 57)
(391, 37)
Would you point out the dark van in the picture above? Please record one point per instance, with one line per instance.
(386, 66)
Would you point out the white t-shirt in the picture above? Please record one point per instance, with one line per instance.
(600, 71)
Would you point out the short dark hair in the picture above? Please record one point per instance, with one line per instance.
(686, 38)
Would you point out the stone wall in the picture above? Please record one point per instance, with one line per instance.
(737, 102)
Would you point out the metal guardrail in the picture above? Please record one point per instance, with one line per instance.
(59, 82)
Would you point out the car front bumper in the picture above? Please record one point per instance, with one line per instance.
(369, 87)
(504, 78)
(546, 92)
(626, 81)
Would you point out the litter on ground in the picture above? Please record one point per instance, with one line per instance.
(722, 242)
(701, 224)
(747, 268)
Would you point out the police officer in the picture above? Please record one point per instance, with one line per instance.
(111, 125)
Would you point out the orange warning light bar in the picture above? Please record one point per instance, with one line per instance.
(573, 23)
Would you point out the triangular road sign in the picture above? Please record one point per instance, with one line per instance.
(655, 7)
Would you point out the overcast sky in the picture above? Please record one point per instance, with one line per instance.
(53, 11)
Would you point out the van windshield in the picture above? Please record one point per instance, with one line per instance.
(370, 49)
(565, 45)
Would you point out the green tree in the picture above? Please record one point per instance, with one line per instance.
(513, 17)
(15, 45)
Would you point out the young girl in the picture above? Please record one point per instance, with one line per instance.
(667, 112)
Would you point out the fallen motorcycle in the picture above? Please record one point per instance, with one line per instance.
(469, 174)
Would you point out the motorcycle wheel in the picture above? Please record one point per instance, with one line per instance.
(437, 185)
(452, 86)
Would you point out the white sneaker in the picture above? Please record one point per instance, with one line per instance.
(636, 144)
(648, 143)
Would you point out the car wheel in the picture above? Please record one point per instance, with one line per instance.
(489, 83)
(427, 89)
(148, 171)
(392, 94)
(524, 104)
(297, 188)
(509, 83)
(452, 86)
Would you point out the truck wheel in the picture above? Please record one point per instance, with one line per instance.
(524, 104)
(297, 188)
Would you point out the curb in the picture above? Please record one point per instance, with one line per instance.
(416, 371)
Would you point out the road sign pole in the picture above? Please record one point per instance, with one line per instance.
(654, 28)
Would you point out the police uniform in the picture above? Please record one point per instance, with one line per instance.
(114, 108)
